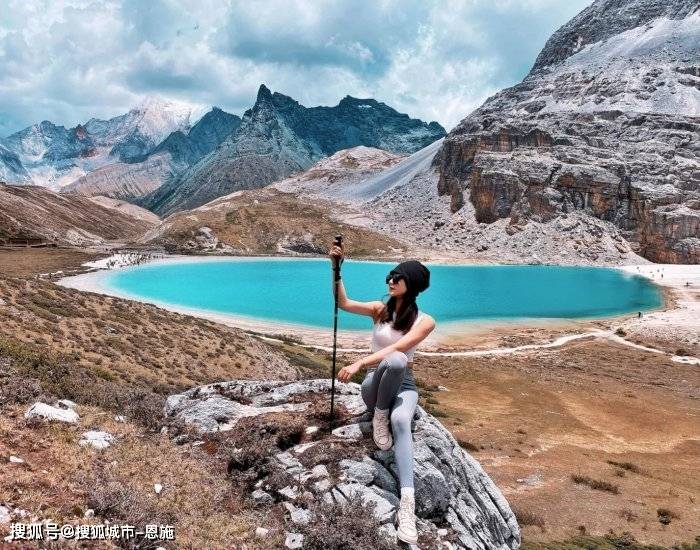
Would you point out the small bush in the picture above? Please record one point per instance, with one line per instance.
(621, 332)
(595, 483)
(350, 526)
(466, 445)
(116, 501)
(527, 517)
(665, 515)
(629, 466)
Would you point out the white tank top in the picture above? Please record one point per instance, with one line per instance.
(383, 335)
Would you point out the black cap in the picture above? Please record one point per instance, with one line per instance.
(416, 274)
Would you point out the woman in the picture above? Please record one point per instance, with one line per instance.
(389, 390)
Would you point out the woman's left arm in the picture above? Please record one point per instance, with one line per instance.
(413, 337)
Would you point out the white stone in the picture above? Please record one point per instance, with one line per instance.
(318, 471)
(66, 404)
(289, 492)
(157, 487)
(322, 486)
(89, 513)
(299, 516)
(4, 515)
(261, 532)
(351, 431)
(16, 460)
(294, 540)
(96, 439)
(120, 418)
(298, 449)
(311, 430)
(47, 412)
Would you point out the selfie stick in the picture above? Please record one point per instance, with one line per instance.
(336, 270)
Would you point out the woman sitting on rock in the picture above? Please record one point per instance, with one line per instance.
(389, 389)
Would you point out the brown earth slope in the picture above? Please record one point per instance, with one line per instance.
(265, 221)
(31, 211)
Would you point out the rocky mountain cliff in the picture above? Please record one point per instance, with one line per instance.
(178, 151)
(33, 211)
(278, 137)
(605, 125)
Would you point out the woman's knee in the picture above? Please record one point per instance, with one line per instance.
(395, 361)
(400, 423)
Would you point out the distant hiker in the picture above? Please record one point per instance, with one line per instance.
(389, 389)
(639, 315)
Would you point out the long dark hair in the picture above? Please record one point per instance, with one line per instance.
(404, 318)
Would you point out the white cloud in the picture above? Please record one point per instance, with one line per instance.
(67, 61)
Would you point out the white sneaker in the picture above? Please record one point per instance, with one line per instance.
(406, 521)
(380, 431)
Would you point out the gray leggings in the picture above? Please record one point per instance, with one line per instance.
(381, 388)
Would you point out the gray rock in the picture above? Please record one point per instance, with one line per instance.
(289, 492)
(262, 497)
(452, 489)
(298, 516)
(382, 500)
(351, 431)
(4, 515)
(217, 413)
(261, 532)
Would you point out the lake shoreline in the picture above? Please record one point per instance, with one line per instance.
(453, 337)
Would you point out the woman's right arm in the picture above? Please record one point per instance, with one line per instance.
(345, 303)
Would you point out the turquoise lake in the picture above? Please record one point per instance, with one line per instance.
(299, 291)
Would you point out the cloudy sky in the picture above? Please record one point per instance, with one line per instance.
(67, 61)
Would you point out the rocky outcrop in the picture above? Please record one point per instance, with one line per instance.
(279, 136)
(262, 221)
(456, 501)
(605, 123)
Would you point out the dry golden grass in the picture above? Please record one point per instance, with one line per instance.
(32, 261)
(61, 480)
(133, 343)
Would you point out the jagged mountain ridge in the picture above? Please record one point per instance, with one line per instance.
(55, 156)
(174, 154)
(279, 136)
(606, 123)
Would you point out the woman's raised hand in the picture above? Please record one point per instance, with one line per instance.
(336, 253)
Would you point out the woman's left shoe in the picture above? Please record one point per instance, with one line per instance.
(406, 521)
(380, 430)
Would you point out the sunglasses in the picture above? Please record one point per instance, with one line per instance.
(394, 277)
